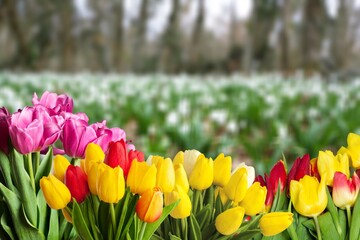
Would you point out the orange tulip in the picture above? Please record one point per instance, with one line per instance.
(150, 205)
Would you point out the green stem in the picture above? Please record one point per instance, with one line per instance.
(196, 197)
(292, 232)
(317, 228)
(31, 171)
(142, 231)
(37, 162)
(348, 213)
(112, 215)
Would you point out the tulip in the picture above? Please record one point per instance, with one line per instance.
(353, 141)
(60, 166)
(250, 173)
(180, 177)
(150, 205)
(230, 220)
(219, 191)
(345, 191)
(93, 154)
(328, 164)
(135, 154)
(111, 185)
(57, 103)
(141, 177)
(236, 188)
(254, 199)
(93, 175)
(300, 168)
(183, 209)
(275, 222)
(165, 175)
(179, 158)
(56, 194)
(76, 181)
(308, 196)
(202, 174)
(190, 158)
(117, 156)
(4, 130)
(76, 136)
(277, 175)
(222, 170)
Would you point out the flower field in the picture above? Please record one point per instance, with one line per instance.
(255, 119)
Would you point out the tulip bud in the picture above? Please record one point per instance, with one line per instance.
(180, 177)
(141, 177)
(345, 191)
(111, 185)
(93, 176)
(179, 158)
(183, 209)
(222, 170)
(202, 175)
(60, 166)
(300, 168)
(353, 149)
(135, 154)
(230, 220)
(150, 205)
(93, 154)
(275, 222)
(236, 188)
(277, 175)
(117, 156)
(254, 199)
(76, 181)
(56, 194)
(219, 191)
(308, 196)
(190, 158)
(165, 175)
(328, 164)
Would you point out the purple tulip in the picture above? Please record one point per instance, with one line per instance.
(76, 136)
(33, 128)
(4, 130)
(58, 103)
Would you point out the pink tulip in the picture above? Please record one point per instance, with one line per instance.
(76, 136)
(58, 103)
(4, 130)
(345, 191)
(32, 129)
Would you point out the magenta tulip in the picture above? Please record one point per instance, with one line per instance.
(105, 135)
(57, 103)
(4, 130)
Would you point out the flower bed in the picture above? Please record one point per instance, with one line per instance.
(63, 177)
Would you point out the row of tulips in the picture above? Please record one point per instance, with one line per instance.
(62, 177)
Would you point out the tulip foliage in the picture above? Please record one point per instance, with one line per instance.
(62, 177)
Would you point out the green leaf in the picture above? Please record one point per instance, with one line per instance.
(6, 170)
(203, 217)
(194, 228)
(327, 227)
(173, 237)
(247, 234)
(151, 227)
(42, 212)
(7, 225)
(79, 222)
(44, 168)
(333, 211)
(53, 233)
(355, 221)
(26, 192)
(103, 219)
(22, 228)
(129, 217)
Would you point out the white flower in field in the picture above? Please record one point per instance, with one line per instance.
(219, 116)
(162, 106)
(184, 128)
(172, 118)
(184, 107)
(313, 113)
(232, 126)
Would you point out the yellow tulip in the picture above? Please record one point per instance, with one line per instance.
(150, 205)
(219, 191)
(111, 185)
(93, 175)
(328, 164)
(250, 172)
(353, 148)
(56, 194)
(308, 196)
(237, 186)
(179, 158)
(254, 200)
(183, 209)
(202, 175)
(230, 220)
(275, 222)
(190, 158)
(93, 154)
(141, 177)
(222, 170)
(60, 166)
(165, 174)
(180, 177)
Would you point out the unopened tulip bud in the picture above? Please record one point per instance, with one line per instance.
(150, 205)
(56, 194)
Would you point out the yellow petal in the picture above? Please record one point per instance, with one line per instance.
(275, 222)
(230, 220)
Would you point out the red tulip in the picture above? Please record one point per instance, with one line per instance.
(300, 168)
(76, 181)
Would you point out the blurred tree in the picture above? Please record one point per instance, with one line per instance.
(314, 25)
(118, 49)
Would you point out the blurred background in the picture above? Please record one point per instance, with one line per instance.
(255, 79)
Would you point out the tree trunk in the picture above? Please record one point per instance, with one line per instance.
(118, 42)
(286, 66)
